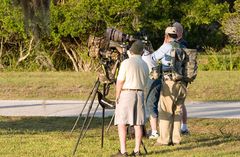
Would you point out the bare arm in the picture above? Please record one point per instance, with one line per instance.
(119, 86)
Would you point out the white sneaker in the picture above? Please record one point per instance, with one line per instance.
(153, 136)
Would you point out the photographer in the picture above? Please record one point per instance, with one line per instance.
(130, 110)
(173, 91)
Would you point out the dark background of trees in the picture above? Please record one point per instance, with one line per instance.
(52, 35)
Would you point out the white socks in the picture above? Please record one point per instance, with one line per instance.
(154, 132)
(184, 127)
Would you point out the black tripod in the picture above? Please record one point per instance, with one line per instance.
(105, 104)
(102, 101)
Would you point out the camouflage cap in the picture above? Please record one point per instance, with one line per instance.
(137, 47)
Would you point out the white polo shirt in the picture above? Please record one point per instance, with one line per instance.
(134, 71)
(147, 57)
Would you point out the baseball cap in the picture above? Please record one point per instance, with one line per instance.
(178, 26)
(171, 30)
(137, 47)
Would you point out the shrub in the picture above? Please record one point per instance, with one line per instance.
(226, 59)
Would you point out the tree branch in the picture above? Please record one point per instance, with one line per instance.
(71, 57)
(23, 57)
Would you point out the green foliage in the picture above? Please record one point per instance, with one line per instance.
(202, 12)
(11, 22)
(231, 25)
(226, 59)
(158, 14)
(201, 22)
(79, 18)
(73, 21)
(122, 14)
(69, 20)
(199, 18)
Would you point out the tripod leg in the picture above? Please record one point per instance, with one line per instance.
(80, 115)
(85, 120)
(110, 123)
(105, 92)
(144, 147)
(89, 122)
(103, 114)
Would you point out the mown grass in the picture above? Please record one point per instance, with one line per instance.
(209, 85)
(46, 85)
(215, 85)
(50, 137)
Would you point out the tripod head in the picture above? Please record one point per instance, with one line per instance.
(110, 50)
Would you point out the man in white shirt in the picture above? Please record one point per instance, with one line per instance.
(131, 81)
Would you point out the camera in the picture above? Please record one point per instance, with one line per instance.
(111, 49)
(118, 36)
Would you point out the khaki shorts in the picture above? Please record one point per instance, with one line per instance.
(130, 110)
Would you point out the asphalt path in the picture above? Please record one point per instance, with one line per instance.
(72, 108)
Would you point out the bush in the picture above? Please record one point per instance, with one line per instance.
(226, 59)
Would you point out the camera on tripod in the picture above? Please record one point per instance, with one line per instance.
(110, 49)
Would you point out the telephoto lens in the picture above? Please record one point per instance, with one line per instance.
(116, 35)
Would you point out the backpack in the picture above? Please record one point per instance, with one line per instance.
(177, 61)
(184, 63)
(190, 65)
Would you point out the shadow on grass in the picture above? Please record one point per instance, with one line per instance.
(45, 124)
(199, 143)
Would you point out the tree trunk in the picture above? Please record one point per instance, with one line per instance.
(36, 17)
(1, 53)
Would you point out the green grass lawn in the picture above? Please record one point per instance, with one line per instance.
(215, 85)
(209, 85)
(50, 137)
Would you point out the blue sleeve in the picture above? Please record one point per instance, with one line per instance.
(157, 55)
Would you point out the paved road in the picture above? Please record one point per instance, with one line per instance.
(69, 108)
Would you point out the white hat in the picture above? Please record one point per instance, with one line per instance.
(171, 30)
